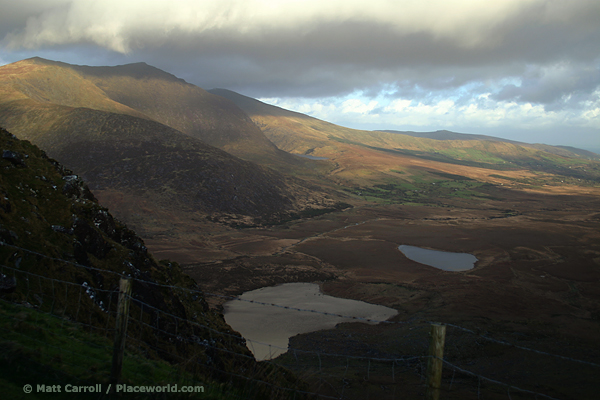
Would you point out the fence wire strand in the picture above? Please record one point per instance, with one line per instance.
(146, 309)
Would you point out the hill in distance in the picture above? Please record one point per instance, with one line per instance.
(143, 140)
(387, 157)
(567, 151)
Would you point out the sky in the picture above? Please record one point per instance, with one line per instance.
(525, 70)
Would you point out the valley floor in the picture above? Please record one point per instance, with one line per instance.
(536, 283)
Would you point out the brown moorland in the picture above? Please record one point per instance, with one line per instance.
(530, 215)
(535, 284)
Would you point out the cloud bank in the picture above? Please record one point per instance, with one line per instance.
(491, 58)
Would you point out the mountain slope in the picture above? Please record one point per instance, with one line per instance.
(565, 151)
(386, 156)
(290, 131)
(152, 161)
(48, 82)
(131, 159)
(143, 91)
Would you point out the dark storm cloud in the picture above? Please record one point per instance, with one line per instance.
(471, 63)
(337, 58)
(15, 14)
(317, 49)
(564, 85)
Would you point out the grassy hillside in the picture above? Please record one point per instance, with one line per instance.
(52, 83)
(45, 350)
(565, 151)
(390, 156)
(62, 254)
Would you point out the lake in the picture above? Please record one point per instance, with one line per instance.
(267, 329)
(439, 259)
(311, 157)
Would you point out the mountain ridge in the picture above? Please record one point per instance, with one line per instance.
(256, 108)
(449, 135)
(406, 156)
(346, 162)
(114, 146)
(145, 91)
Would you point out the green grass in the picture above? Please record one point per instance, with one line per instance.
(471, 154)
(568, 170)
(41, 349)
(423, 189)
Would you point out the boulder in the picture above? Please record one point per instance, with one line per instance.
(14, 158)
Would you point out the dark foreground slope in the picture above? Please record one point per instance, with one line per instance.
(63, 254)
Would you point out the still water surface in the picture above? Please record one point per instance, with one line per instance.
(439, 259)
(311, 157)
(273, 326)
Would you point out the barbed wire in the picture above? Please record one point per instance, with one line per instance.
(207, 345)
(502, 342)
(237, 298)
(204, 344)
(158, 349)
(200, 291)
(214, 368)
(143, 305)
(493, 380)
(210, 366)
(147, 306)
(250, 340)
(45, 343)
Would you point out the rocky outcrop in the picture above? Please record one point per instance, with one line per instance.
(14, 158)
(8, 284)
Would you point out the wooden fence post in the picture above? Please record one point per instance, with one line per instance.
(435, 363)
(120, 329)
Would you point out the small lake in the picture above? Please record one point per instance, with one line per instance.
(311, 157)
(273, 326)
(439, 259)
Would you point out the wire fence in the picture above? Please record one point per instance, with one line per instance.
(476, 365)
